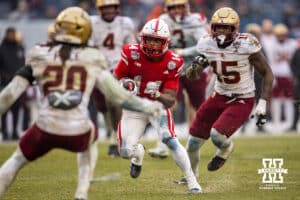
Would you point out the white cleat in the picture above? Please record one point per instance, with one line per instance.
(158, 153)
(193, 185)
(195, 191)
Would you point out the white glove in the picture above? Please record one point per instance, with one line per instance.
(152, 88)
(260, 112)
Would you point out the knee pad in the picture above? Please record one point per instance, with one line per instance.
(194, 144)
(171, 142)
(219, 140)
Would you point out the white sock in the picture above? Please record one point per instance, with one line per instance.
(138, 155)
(182, 160)
(9, 170)
(93, 158)
(83, 175)
(193, 149)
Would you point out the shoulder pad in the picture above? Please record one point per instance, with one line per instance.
(204, 42)
(126, 22)
(248, 43)
(93, 57)
(197, 19)
(37, 55)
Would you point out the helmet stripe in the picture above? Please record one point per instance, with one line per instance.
(156, 26)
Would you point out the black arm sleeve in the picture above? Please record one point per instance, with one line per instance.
(26, 72)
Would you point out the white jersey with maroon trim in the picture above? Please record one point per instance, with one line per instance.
(78, 73)
(186, 33)
(110, 37)
(280, 57)
(231, 65)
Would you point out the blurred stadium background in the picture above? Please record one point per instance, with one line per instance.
(31, 19)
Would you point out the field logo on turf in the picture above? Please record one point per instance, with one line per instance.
(272, 172)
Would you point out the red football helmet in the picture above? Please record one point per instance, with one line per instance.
(155, 38)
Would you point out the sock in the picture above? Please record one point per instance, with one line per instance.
(9, 170)
(138, 155)
(182, 160)
(83, 175)
(93, 151)
(193, 149)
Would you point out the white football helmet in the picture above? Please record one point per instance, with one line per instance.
(156, 29)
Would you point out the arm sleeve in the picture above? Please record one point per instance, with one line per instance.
(173, 82)
(12, 92)
(26, 73)
(122, 67)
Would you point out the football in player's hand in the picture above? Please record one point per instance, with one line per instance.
(129, 85)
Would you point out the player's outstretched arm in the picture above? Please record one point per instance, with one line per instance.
(114, 92)
(12, 92)
(23, 78)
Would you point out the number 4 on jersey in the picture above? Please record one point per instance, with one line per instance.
(109, 41)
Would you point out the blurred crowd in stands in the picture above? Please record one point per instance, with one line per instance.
(286, 11)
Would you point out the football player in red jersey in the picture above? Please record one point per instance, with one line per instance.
(156, 71)
(66, 70)
(185, 27)
(232, 56)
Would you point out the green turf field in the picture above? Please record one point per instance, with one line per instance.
(54, 176)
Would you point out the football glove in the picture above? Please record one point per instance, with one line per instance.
(260, 112)
(192, 70)
(152, 88)
(201, 60)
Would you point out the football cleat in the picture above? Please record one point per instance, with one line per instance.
(158, 153)
(79, 199)
(195, 191)
(135, 170)
(113, 151)
(216, 163)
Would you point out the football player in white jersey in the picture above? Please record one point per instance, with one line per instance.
(110, 33)
(232, 56)
(185, 28)
(66, 70)
(280, 56)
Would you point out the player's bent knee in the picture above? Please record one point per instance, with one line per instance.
(171, 142)
(218, 139)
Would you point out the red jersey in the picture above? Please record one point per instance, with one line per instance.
(135, 65)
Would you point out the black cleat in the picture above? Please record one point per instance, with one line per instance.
(113, 151)
(216, 163)
(135, 170)
(79, 199)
